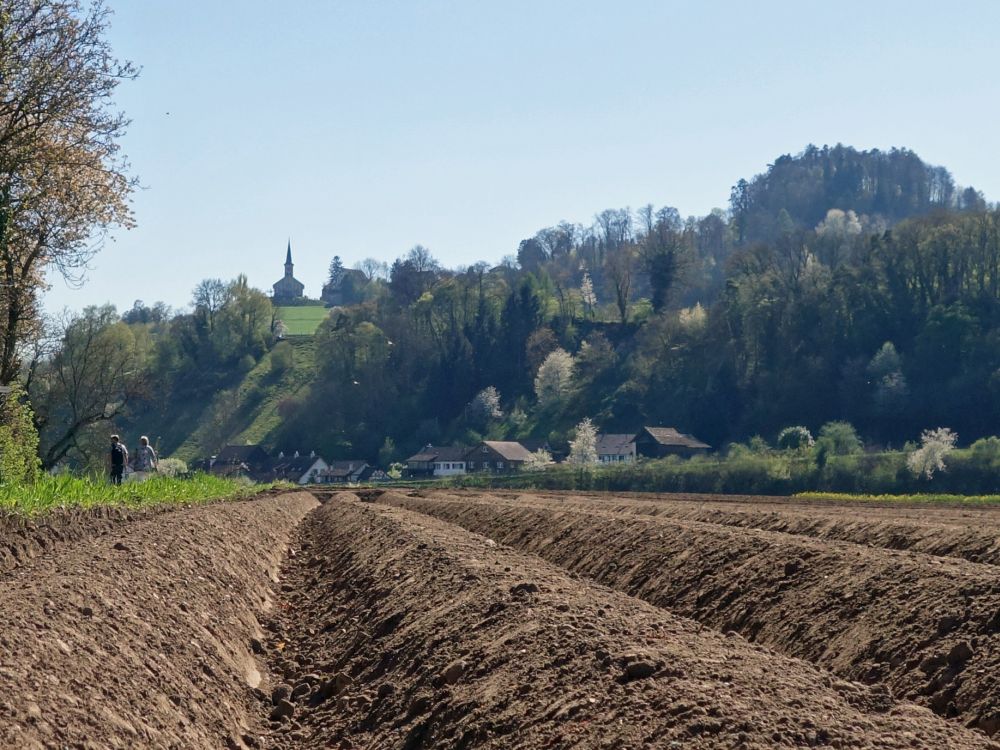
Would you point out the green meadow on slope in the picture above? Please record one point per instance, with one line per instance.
(302, 320)
(249, 412)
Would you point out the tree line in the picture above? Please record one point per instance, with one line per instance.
(885, 321)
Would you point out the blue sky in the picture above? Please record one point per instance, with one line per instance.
(362, 128)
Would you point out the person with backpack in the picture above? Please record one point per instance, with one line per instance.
(144, 461)
(119, 459)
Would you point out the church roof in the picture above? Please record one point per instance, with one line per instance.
(288, 256)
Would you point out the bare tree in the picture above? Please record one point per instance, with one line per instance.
(373, 268)
(619, 265)
(209, 297)
(422, 260)
(63, 181)
(96, 372)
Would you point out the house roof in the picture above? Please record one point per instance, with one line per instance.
(670, 436)
(509, 450)
(440, 453)
(614, 444)
(452, 453)
(349, 465)
(299, 464)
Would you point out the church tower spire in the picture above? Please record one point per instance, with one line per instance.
(288, 260)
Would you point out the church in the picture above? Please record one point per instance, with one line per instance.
(287, 289)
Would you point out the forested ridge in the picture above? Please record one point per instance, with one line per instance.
(838, 285)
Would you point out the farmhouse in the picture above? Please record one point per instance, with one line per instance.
(345, 289)
(238, 460)
(657, 442)
(615, 448)
(437, 461)
(496, 456)
(344, 472)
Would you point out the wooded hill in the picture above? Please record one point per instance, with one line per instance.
(839, 285)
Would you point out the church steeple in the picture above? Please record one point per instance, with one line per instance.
(287, 289)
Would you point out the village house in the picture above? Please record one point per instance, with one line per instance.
(297, 468)
(437, 461)
(345, 289)
(236, 461)
(615, 448)
(498, 457)
(657, 442)
(373, 475)
(344, 472)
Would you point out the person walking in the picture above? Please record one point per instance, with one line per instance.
(118, 459)
(145, 460)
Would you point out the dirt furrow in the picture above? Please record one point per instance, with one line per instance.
(142, 637)
(926, 627)
(969, 533)
(398, 630)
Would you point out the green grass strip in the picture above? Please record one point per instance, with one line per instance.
(51, 493)
(302, 320)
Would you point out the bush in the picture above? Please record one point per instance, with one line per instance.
(839, 439)
(794, 439)
(282, 357)
(246, 363)
(19, 462)
(171, 467)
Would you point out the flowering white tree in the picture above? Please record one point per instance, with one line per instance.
(583, 448)
(795, 438)
(485, 406)
(587, 293)
(934, 446)
(554, 378)
(538, 460)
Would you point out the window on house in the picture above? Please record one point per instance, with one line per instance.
(499, 464)
(472, 464)
(485, 449)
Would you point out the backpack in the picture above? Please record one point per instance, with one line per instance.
(117, 454)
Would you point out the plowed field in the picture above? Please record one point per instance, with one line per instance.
(923, 625)
(572, 623)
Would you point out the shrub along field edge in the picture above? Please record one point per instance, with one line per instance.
(55, 492)
(968, 476)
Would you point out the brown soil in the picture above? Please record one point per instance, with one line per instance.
(392, 629)
(142, 637)
(972, 533)
(23, 538)
(398, 630)
(925, 626)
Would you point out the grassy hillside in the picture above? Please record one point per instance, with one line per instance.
(249, 412)
(302, 321)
